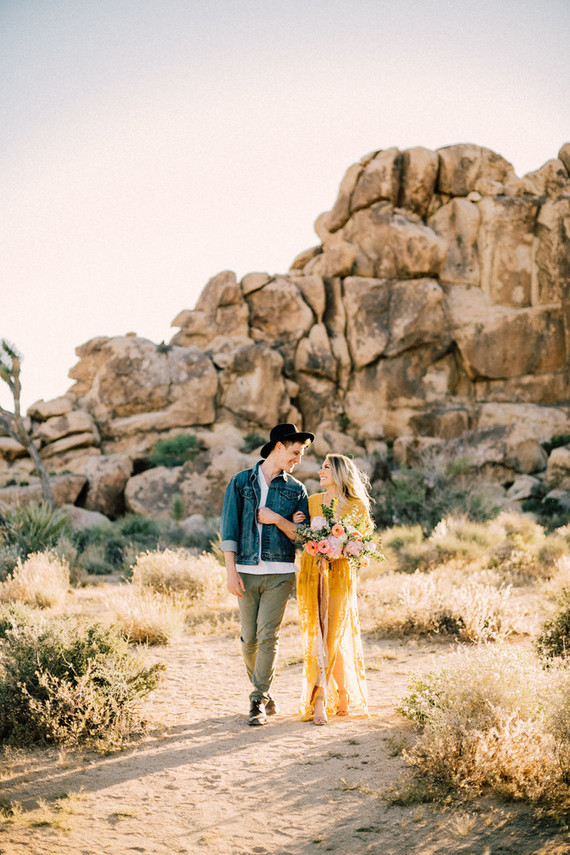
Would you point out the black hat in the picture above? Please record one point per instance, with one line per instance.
(280, 433)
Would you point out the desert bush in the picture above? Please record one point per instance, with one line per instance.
(554, 640)
(425, 494)
(175, 451)
(514, 545)
(63, 681)
(42, 580)
(145, 616)
(253, 440)
(493, 719)
(9, 555)
(196, 577)
(34, 528)
(113, 547)
(442, 603)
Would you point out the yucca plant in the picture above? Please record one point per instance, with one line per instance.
(34, 528)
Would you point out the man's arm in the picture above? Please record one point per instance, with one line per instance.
(229, 535)
(235, 582)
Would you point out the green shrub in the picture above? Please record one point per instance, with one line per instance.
(251, 441)
(34, 527)
(557, 441)
(425, 494)
(175, 451)
(62, 681)
(549, 512)
(9, 554)
(554, 640)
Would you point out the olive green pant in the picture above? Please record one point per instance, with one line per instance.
(261, 610)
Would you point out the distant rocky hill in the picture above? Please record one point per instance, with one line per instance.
(435, 308)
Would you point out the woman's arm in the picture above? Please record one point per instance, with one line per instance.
(268, 517)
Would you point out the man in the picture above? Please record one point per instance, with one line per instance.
(258, 535)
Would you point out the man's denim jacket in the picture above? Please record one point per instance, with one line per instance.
(240, 533)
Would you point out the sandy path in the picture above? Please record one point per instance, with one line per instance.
(203, 781)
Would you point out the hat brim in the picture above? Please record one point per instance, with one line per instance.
(300, 436)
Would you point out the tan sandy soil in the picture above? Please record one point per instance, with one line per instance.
(202, 781)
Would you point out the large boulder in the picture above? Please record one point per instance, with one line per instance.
(107, 476)
(60, 426)
(201, 484)
(220, 310)
(505, 246)
(132, 375)
(465, 168)
(558, 469)
(552, 252)
(419, 173)
(458, 223)
(393, 245)
(65, 490)
(251, 381)
(528, 341)
(279, 314)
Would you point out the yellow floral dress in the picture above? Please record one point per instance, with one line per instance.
(328, 614)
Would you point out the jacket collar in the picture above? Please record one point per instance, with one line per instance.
(254, 477)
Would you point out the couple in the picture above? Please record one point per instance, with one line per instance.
(262, 508)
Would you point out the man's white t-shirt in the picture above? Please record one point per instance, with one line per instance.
(263, 567)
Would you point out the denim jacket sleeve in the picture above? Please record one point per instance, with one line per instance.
(230, 518)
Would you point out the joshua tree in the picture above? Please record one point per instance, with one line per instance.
(12, 424)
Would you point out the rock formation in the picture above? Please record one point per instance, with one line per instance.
(436, 307)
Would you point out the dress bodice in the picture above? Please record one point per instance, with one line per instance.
(316, 510)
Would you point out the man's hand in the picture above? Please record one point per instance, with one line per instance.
(265, 516)
(235, 582)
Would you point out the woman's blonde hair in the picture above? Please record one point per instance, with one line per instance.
(350, 482)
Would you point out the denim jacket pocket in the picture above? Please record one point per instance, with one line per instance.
(288, 502)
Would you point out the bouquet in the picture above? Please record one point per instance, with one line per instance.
(331, 537)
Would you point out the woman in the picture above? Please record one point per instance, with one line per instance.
(333, 664)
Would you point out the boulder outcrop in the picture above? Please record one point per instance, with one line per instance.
(436, 308)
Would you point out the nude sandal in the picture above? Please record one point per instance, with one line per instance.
(320, 718)
(342, 693)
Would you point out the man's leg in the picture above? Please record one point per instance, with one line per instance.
(275, 591)
(248, 609)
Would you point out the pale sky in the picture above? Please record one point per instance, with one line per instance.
(146, 145)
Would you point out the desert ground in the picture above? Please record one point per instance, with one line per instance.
(200, 780)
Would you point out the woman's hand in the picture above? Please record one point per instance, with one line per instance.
(298, 517)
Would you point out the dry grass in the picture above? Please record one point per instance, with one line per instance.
(492, 718)
(512, 543)
(443, 602)
(148, 617)
(41, 581)
(195, 577)
(170, 588)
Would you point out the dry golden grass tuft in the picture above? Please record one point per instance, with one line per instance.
(42, 581)
(196, 577)
(493, 719)
(148, 617)
(511, 543)
(444, 602)
(171, 588)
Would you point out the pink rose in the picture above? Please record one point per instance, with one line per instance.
(354, 547)
(318, 522)
(336, 547)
